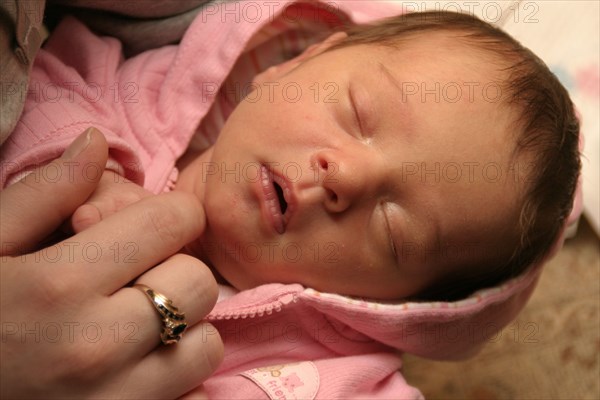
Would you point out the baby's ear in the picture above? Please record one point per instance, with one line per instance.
(318, 48)
(277, 71)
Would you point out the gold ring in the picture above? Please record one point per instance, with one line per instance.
(173, 321)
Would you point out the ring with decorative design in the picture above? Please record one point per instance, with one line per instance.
(174, 323)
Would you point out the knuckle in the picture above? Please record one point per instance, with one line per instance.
(128, 197)
(48, 290)
(206, 289)
(83, 362)
(30, 187)
(201, 283)
(163, 222)
(191, 206)
(176, 220)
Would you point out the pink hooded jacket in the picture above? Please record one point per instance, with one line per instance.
(281, 341)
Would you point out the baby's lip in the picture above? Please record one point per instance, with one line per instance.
(271, 205)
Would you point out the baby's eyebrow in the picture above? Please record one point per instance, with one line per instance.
(404, 107)
(402, 110)
(390, 78)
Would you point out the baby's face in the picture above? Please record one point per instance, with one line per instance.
(389, 173)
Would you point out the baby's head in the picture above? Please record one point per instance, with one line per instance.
(426, 156)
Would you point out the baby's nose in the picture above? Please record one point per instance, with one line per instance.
(346, 179)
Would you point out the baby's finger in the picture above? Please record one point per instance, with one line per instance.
(113, 194)
(84, 217)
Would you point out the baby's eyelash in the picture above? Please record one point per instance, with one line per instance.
(355, 111)
(389, 232)
(394, 248)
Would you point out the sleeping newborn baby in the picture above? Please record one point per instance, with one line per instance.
(444, 160)
(425, 157)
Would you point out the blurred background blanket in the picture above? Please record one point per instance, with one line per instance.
(140, 25)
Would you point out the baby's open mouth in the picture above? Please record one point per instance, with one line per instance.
(282, 203)
(278, 199)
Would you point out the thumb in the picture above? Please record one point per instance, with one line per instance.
(35, 206)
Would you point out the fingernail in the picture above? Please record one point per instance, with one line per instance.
(78, 145)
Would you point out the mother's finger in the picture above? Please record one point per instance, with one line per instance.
(172, 371)
(35, 206)
(184, 280)
(120, 248)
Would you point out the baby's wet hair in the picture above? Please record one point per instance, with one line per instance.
(546, 134)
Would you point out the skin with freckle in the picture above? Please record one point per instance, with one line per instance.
(367, 213)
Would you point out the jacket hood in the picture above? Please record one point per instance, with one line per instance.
(437, 330)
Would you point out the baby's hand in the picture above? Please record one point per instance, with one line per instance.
(112, 194)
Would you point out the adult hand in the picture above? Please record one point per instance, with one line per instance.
(70, 326)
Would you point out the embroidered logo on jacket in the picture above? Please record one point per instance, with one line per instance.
(286, 381)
